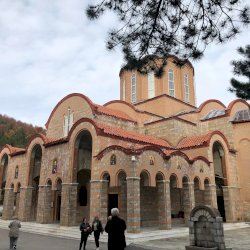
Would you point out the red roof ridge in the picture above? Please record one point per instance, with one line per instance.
(159, 96)
(113, 112)
(203, 104)
(231, 104)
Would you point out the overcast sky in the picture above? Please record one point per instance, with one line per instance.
(48, 49)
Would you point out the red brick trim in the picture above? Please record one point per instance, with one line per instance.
(201, 158)
(91, 104)
(120, 101)
(231, 104)
(202, 105)
(131, 151)
(159, 96)
(171, 118)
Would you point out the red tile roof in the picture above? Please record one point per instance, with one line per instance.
(112, 112)
(194, 141)
(118, 132)
(16, 151)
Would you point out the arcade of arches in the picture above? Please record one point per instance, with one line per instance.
(154, 160)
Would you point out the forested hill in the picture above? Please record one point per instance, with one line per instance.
(16, 133)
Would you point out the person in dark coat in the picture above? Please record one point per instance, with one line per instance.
(85, 229)
(97, 229)
(116, 231)
(14, 232)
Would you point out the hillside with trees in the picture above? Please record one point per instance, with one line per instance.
(16, 133)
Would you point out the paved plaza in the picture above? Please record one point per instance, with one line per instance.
(238, 239)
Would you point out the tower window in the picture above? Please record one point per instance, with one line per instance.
(186, 88)
(133, 88)
(151, 84)
(123, 90)
(171, 83)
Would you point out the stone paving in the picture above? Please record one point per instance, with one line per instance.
(238, 239)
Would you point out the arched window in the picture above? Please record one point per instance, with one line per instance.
(151, 84)
(186, 88)
(16, 172)
(113, 160)
(171, 82)
(133, 88)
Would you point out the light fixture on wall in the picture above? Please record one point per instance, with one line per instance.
(133, 158)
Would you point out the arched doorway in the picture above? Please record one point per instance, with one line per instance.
(57, 200)
(177, 209)
(3, 174)
(35, 168)
(220, 176)
(83, 146)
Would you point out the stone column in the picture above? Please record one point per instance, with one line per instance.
(17, 204)
(164, 204)
(133, 205)
(232, 204)
(69, 204)
(188, 199)
(123, 200)
(210, 197)
(44, 204)
(25, 204)
(8, 205)
(99, 199)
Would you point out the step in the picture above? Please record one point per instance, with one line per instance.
(73, 232)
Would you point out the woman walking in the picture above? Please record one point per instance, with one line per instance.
(85, 229)
(97, 228)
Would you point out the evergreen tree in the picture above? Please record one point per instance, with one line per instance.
(242, 68)
(161, 27)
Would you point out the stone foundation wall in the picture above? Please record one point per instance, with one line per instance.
(246, 214)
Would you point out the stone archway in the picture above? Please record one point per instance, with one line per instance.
(57, 200)
(83, 161)
(220, 176)
(3, 176)
(34, 178)
(176, 194)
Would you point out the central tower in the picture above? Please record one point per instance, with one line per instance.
(177, 82)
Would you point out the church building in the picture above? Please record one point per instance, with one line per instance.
(154, 154)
